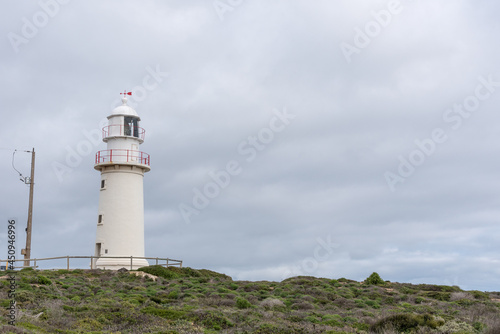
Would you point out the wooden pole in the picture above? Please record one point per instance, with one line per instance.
(27, 253)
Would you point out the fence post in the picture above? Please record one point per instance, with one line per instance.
(91, 263)
(34, 263)
(67, 261)
(156, 261)
(131, 262)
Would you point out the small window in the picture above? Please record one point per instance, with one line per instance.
(103, 184)
(99, 220)
(105, 251)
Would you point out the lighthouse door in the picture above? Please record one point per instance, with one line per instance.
(98, 249)
(97, 254)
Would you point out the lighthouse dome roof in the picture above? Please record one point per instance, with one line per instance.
(124, 109)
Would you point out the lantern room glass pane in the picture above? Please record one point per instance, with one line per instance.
(131, 126)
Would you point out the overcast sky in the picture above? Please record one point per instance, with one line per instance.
(360, 135)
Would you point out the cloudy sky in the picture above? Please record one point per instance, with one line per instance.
(360, 135)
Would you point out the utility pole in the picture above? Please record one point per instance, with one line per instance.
(27, 250)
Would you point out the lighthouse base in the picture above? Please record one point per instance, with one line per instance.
(115, 264)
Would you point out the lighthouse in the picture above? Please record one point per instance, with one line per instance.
(120, 220)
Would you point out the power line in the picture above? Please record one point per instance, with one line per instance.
(26, 180)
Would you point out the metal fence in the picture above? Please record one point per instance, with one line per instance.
(158, 261)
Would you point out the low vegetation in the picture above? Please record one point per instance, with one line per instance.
(186, 300)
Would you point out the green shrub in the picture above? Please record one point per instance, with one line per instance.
(398, 322)
(4, 303)
(190, 272)
(443, 296)
(406, 290)
(75, 308)
(334, 320)
(174, 294)
(374, 279)
(373, 304)
(211, 320)
(28, 269)
(389, 300)
(276, 329)
(242, 303)
(160, 271)
(480, 295)
(43, 280)
(465, 302)
(25, 296)
(345, 280)
(213, 274)
(405, 322)
(359, 303)
(478, 326)
(61, 271)
(164, 313)
(88, 324)
(76, 299)
(156, 300)
(442, 288)
(313, 319)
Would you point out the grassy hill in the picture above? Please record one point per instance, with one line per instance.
(202, 301)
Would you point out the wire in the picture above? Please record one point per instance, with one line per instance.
(13, 157)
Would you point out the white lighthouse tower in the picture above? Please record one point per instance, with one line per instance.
(120, 222)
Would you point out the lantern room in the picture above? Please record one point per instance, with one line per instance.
(123, 135)
(123, 122)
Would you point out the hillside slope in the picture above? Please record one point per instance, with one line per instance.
(202, 301)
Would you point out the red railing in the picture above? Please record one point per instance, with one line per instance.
(122, 155)
(122, 130)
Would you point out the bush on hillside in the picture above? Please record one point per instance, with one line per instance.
(176, 272)
(160, 271)
(374, 279)
(405, 322)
